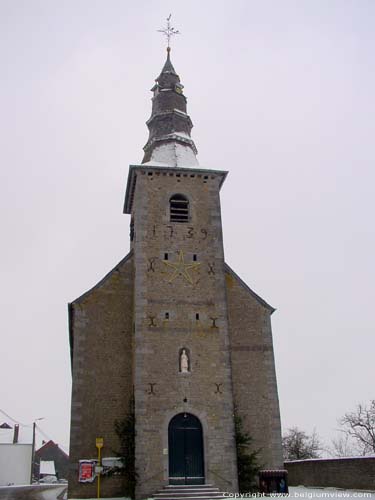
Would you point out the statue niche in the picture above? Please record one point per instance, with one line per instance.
(184, 361)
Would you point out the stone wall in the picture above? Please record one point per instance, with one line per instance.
(101, 340)
(253, 370)
(172, 292)
(173, 312)
(351, 473)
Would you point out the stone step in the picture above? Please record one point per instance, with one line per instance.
(188, 486)
(185, 491)
(189, 492)
(184, 496)
(194, 497)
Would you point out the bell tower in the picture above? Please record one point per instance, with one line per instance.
(182, 360)
(173, 329)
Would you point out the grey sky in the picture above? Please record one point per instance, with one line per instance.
(281, 94)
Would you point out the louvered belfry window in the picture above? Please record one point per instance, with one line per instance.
(179, 208)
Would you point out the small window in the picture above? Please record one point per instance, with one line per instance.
(197, 316)
(167, 315)
(179, 208)
(165, 256)
(195, 257)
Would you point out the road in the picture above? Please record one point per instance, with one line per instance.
(37, 492)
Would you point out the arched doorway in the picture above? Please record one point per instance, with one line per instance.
(185, 443)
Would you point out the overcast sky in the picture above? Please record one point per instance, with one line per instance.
(281, 94)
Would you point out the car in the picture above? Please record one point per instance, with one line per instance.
(49, 479)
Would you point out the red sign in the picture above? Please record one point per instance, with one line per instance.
(86, 471)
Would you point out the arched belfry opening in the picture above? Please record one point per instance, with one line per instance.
(179, 208)
(185, 445)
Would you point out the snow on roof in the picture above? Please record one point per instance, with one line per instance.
(24, 437)
(179, 112)
(174, 154)
(184, 135)
(6, 436)
(155, 164)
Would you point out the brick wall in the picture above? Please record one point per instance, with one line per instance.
(351, 473)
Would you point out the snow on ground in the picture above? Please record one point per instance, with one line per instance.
(34, 492)
(302, 493)
(307, 493)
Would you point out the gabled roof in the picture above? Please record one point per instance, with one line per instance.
(84, 295)
(50, 444)
(5, 426)
(103, 280)
(243, 284)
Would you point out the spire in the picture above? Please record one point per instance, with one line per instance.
(169, 126)
(168, 66)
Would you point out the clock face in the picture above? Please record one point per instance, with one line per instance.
(178, 90)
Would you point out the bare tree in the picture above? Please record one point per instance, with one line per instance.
(297, 445)
(343, 446)
(360, 425)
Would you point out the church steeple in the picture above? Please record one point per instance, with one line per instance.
(169, 126)
(168, 66)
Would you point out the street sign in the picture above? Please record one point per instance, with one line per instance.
(99, 443)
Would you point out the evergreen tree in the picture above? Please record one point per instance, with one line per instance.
(125, 430)
(247, 459)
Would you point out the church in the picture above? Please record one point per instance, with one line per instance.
(172, 331)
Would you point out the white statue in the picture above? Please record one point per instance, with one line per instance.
(184, 362)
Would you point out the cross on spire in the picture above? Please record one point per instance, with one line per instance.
(169, 31)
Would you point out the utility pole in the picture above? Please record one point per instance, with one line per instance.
(32, 454)
(33, 450)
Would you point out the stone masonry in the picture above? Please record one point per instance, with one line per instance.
(102, 341)
(158, 343)
(172, 292)
(357, 473)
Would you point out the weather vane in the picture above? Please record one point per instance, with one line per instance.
(169, 31)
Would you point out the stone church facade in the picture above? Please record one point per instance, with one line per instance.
(173, 326)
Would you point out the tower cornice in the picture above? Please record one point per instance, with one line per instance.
(135, 170)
